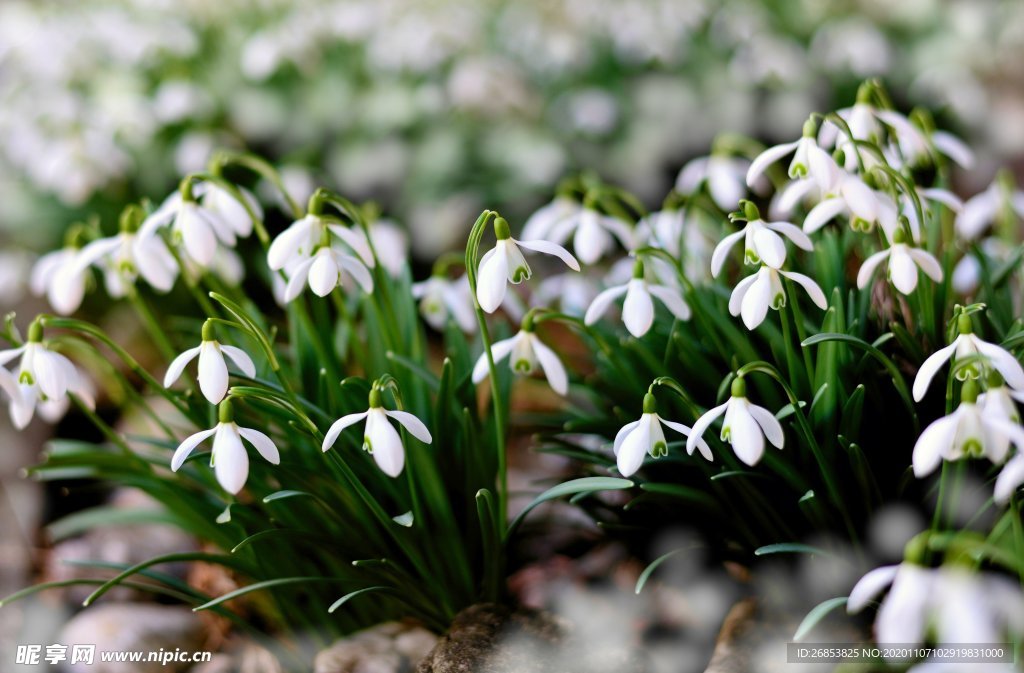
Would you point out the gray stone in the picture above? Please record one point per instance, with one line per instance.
(392, 647)
(140, 627)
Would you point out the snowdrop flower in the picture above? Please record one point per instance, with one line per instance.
(638, 307)
(725, 177)
(126, 256)
(761, 240)
(904, 262)
(755, 294)
(962, 605)
(525, 352)
(842, 194)
(970, 431)
(1010, 478)
(504, 263)
(800, 149)
(981, 210)
(593, 234)
(865, 121)
(967, 274)
(222, 204)
(570, 292)
(229, 460)
(380, 439)
(645, 437)
(57, 276)
(44, 378)
(325, 270)
(199, 228)
(440, 298)
(391, 243)
(213, 368)
(547, 217)
(965, 345)
(302, 238)
(745, 426)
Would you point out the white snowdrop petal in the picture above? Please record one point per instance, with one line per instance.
(930, 367)
(357, 270)
(553, 249)
(601, 303)
(813, 290)
(499, 351)
(745, 434)
(721, 251)
(673, 300)
(739, 292)
(554, 370)
(1009, 479)
(869, 586)
(635, 447)
(1003, 361)
(186, 447)
(769, 247)
(264, 445)
(822, 214)
(621, 435)
(51, 373)
(324, 273)
(491, 281)
(702, 424)
(927, 263)
(867, 269)
(178, 365)
(294, 241)
(765, 159)
(793, 233)
(755, 303)
(213, 372)
(769, 424)
(385, 443)
(297, 280)
(933, 444)
(954, 148)
(241, 360)
(230, 459)
(902, 270)
(413, 424)
(638, 309)
(345, 421)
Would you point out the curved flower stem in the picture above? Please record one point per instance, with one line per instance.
(500, 429)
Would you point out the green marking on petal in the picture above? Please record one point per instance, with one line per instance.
(659, 449)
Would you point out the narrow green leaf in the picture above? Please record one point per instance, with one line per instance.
(790, 548)
(819, 612)
(572, 487)
(359, 592)
(649, 570)
(267, 584)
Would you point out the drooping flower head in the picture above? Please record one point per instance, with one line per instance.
(43, 380)
(762, 240)
(526, 353)
(645, 437)
(638, 307)
(213, 368)
(229, 460)
(745, 426)
(904, 261)
(977, 357)
(380, 439)
(504, 263)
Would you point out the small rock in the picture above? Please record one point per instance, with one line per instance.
(490, 638)
(133, 627)
(392, 647)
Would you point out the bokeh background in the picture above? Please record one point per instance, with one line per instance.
(435, 109)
